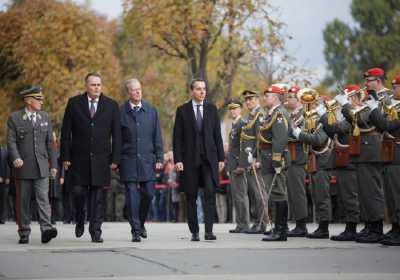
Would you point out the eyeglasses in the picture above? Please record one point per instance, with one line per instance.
(370, 80)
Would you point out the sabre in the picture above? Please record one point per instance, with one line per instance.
(250, 159)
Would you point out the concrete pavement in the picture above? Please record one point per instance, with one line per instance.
(169, 254)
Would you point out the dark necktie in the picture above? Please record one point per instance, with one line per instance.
(199, 118)
(136, 109)
(92, 109)
(33, 118)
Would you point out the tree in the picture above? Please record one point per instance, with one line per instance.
(191, 30)
(55, 44)
(373, 42)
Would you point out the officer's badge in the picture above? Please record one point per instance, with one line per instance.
(24, 117)
(279, 119)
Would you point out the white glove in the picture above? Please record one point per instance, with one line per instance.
(296, 132)
(278, 170)
(342, 99)
(321, 110)
(372, 104)
(250, 158)
(339, 116)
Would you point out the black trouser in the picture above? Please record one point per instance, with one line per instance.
(95, 207)
(4, 190)
(204, 178)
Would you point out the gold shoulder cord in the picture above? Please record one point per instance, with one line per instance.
(243, 135)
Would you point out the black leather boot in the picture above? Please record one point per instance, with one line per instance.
(374, 235)
(322, 232)
(300, 230)
(349, 233)
(280, 231)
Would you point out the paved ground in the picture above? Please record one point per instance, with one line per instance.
(169, 254)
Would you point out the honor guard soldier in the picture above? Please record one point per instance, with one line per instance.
(30, 146)
(317, 146)
(340, 130)
(296, 173)
(248, 148)
(374, 79)
(365, 143)
(274, 158)
(390, 123)
(239, 186)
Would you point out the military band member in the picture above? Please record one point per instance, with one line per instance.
(274, 159)
(339, 129)
(390, 123)
(296, 171)
(374, 79)
(248, 141)
(239, 186)
(317, 147)
(366, 144)
(30, 146)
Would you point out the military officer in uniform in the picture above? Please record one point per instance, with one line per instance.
(339, 129)
(366, 144)
(248, 142)
(390, 123)
(318, 150)
(296, 173)
(29, 139)
(239, 187)
(274, 158)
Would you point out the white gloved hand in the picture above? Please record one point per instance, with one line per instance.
(342, 99)
(339, 116)
(372, 104)
(278, 170)
(296, 132)
(321, 110)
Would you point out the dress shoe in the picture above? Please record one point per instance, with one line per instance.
(195, 237)
(143, 232)
(344, 236)
(364, 231)
(79, 230)
(48, 235)
(297, 232)
(97, 239)
(23, 240)
(393, 240)
(279, 233)
(256, 229)
(371, 237)
(318, 234)
(210, 236)
(238, 230)
(136, 237)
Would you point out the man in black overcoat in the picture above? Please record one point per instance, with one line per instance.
(199, 155)
(90, 148)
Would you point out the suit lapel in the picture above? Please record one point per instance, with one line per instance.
(206, 116)
(100, 107)
(84, 103)
(190, 113)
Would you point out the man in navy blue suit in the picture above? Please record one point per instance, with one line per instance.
(142, 154)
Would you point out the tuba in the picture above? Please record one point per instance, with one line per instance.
(308, 97)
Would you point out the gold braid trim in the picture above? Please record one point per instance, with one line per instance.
(262, 139)
(252, 122)
(245, 137)
(273, 119)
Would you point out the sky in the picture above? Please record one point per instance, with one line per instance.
(305, 21)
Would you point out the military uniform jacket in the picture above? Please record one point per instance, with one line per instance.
(371, 140)
(390, 126)
(320, 145)
(339, 132)
(297, 121)
(232, 159)
(248, 136)
(31, 143)
(91, 144)
(273, 138)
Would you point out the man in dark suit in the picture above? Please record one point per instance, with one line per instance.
(142, 154)
(90, 148)
(199, 155)
(29, 140)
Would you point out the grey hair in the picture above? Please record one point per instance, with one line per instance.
(131, 81)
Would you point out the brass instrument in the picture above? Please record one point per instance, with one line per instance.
(393, 110)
